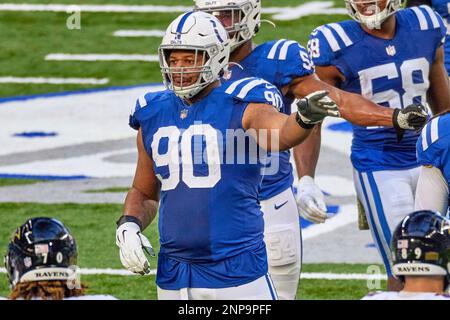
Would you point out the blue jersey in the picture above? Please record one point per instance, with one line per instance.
(393, 73)
(278, 62)
(210, 221)
(443, 8)
(433, 146)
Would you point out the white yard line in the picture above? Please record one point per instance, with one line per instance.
(304, 275)
(101, 57)
(139, 33)
(278, 13)
(42, 80)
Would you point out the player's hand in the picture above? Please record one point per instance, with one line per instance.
(316, 106)
(413, 117)
(132, 244)
(310, 201)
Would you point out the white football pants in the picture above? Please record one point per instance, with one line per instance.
(259, 289)
(387, 197)
(282, 236)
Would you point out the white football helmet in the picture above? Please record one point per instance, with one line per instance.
(202, 34)
(241, 18)
(372, 15)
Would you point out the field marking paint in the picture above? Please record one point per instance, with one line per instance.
(41, 80)
(82, 117)
(277, 13)
(101, 57)
(139, 33)
(347, 214)
(93, 166)
(304, 275)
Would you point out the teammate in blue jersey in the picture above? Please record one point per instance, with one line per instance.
(286, 64)
(393, 57)
(443, 8)
(433, 154)
(197, 158)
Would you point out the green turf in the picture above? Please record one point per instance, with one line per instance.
(30, 36)
(15, 182)
(93, 226)
(118, 189)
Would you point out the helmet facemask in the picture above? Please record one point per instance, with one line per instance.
(241, 21)
(372, 13)
(180, 79)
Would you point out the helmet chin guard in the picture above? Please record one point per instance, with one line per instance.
(373, 16)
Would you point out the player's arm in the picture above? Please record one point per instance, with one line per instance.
(141, 205)
(353, 107)
(275, 131)
(439, 92)
(432, 190)
(143, 197)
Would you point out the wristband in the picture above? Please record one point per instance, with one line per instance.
(125, 218)
(303, 124)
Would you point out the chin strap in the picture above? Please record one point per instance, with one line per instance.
(269, 22)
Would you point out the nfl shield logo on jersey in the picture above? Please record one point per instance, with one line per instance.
(391, 50)
(183, 113)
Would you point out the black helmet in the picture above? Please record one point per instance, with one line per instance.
(421, 245)
(42, 249)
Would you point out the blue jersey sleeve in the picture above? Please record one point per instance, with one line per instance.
(434, 143)
(255, 90)
(319, 48)
(327, 44)
(142, 110)
(426, 20)
(293, 62)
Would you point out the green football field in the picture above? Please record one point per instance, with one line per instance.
(27, 37)
(94, 229)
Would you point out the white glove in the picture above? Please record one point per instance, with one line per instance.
(131, 241)
(310, 201)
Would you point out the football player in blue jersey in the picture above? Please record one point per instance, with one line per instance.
(196, 158)
(286, 64)
(443, 8)
(393, 57)
(433, 154)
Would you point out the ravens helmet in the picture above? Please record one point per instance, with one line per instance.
(42, 249)
(421, 246)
